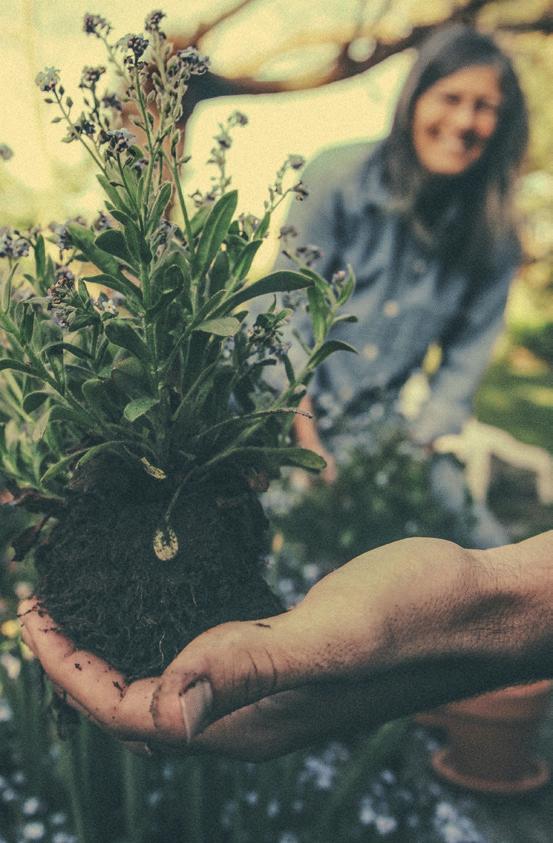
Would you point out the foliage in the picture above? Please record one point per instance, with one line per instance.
(382, 494)
(167, 370)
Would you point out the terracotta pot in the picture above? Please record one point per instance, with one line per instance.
(490, 746)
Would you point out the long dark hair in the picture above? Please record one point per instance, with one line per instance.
(482, 197)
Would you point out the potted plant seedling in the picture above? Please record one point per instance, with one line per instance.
(136, 418)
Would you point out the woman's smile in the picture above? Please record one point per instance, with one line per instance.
(455, 118)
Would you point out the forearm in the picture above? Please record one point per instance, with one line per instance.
(428, 608)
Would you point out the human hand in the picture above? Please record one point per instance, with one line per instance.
(381, 637)
(163, 713)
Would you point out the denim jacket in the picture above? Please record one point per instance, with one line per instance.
(405, 298)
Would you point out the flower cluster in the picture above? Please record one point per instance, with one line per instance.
(276, 190)
(96, 25)
(308, 254)
(61, 236)
(90, 76)
(62, 287)
(102, 222)
(137, 45)
(153, 20)
(112, 101)
(117, 140)
(48, 79)
(191, 62)
(12, 245)
(266, 335)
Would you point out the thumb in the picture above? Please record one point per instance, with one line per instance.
(222, 670)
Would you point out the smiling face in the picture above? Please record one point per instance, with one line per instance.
(455, 118)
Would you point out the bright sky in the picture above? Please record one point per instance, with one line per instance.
(37, 33)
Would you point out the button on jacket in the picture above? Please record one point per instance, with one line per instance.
(406, 297)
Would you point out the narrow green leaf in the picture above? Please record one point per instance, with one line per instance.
(329, 348)
(34, 400)
(17, 366)
(40, 426)
(67, 346)
(219, 273)
(120, 216)
(106, 263)
(299, 457)
(215, 230)
(318, 313)
(60, 466)
(226, 326)
(246, 258)
(263, 226)
(139, 407)
(119, 284)
(114, 243)
(137, 244)
(113, 194)
(40, 256)
(65, 414)
(115, 445)
(282, 281)
(120, 333)
(160, 204)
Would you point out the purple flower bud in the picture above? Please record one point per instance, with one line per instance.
(96, 25)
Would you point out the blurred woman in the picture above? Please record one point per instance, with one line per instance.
(425, 218)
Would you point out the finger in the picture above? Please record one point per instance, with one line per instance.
(288, 721)
(93, 684)
(224, 669)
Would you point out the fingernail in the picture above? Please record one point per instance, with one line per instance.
(195, 705)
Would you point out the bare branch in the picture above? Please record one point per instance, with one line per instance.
(343, 66)
(209, 26)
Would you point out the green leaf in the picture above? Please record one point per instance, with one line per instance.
(246, 258)
(114, 243)
(161, 202)
(329, 348)
(66, 414)
(40, 256)
(226, 326)
(345, 317)
(96, 393)
(215, 230)
(318, 313)
(219, 273)
(54, 354)
(34, 400)
(299, 457)
(113, 194)
(129, 377)
(263, 226)
(40, 426)
(59, 466)
(137, 408)
(120, 333)
(289, 369)
(119, 284)
(67, 346)
(114, 445)
(17, 366)
(283, 281)
(27, 324)
(106, 263)
(120, 216)
(137, 244)
(199, 218)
